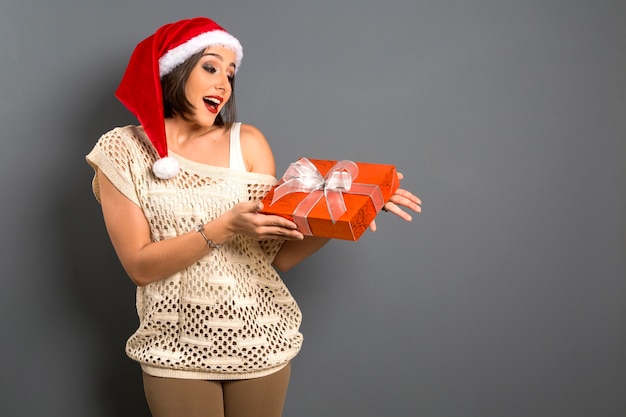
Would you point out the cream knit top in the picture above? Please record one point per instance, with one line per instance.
(227, 316)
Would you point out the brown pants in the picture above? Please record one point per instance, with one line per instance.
(257, 397)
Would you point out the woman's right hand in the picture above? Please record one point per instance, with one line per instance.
(244, 218)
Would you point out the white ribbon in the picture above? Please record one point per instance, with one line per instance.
(303, 176)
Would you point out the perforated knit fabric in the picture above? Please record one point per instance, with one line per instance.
(229, 315)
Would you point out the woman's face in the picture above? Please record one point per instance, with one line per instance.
(208, 88)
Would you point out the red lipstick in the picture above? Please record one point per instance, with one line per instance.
(212, 103)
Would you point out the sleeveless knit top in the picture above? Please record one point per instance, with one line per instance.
(227, 316)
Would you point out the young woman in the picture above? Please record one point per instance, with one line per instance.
(180, 199)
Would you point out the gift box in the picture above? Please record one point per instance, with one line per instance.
(334, 199)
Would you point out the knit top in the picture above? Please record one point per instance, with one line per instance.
(227, 316)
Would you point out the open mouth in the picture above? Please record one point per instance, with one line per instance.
(212, 103)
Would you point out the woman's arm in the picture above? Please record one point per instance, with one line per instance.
(294, 252)
(146, 261)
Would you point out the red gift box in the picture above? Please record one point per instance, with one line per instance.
(334, 199)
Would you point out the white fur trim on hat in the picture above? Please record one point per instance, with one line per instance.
(176, 56)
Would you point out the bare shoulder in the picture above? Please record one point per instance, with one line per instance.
(251, 135)
(256, 150)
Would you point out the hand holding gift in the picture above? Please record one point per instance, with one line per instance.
(401, 198)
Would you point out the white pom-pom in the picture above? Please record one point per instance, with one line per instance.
(166, 168)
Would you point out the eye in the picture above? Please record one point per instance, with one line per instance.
(209, 68)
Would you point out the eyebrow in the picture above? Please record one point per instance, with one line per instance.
(218, 56)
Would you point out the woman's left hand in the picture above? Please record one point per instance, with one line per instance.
(401, 198)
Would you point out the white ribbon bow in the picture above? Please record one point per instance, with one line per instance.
(303, 176)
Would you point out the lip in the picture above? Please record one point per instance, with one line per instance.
(212, 103)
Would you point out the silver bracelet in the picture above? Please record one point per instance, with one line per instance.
(209, 242)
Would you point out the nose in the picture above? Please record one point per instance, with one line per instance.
(223, 84)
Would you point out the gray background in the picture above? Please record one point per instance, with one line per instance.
(506, 297)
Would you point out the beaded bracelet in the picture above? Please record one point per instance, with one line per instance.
(209, 242)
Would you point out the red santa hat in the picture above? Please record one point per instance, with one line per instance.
(155, 57)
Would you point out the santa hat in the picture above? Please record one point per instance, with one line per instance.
(155, 57)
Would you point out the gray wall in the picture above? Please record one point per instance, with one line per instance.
(506, 297)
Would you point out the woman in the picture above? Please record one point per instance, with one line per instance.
(180, 200)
